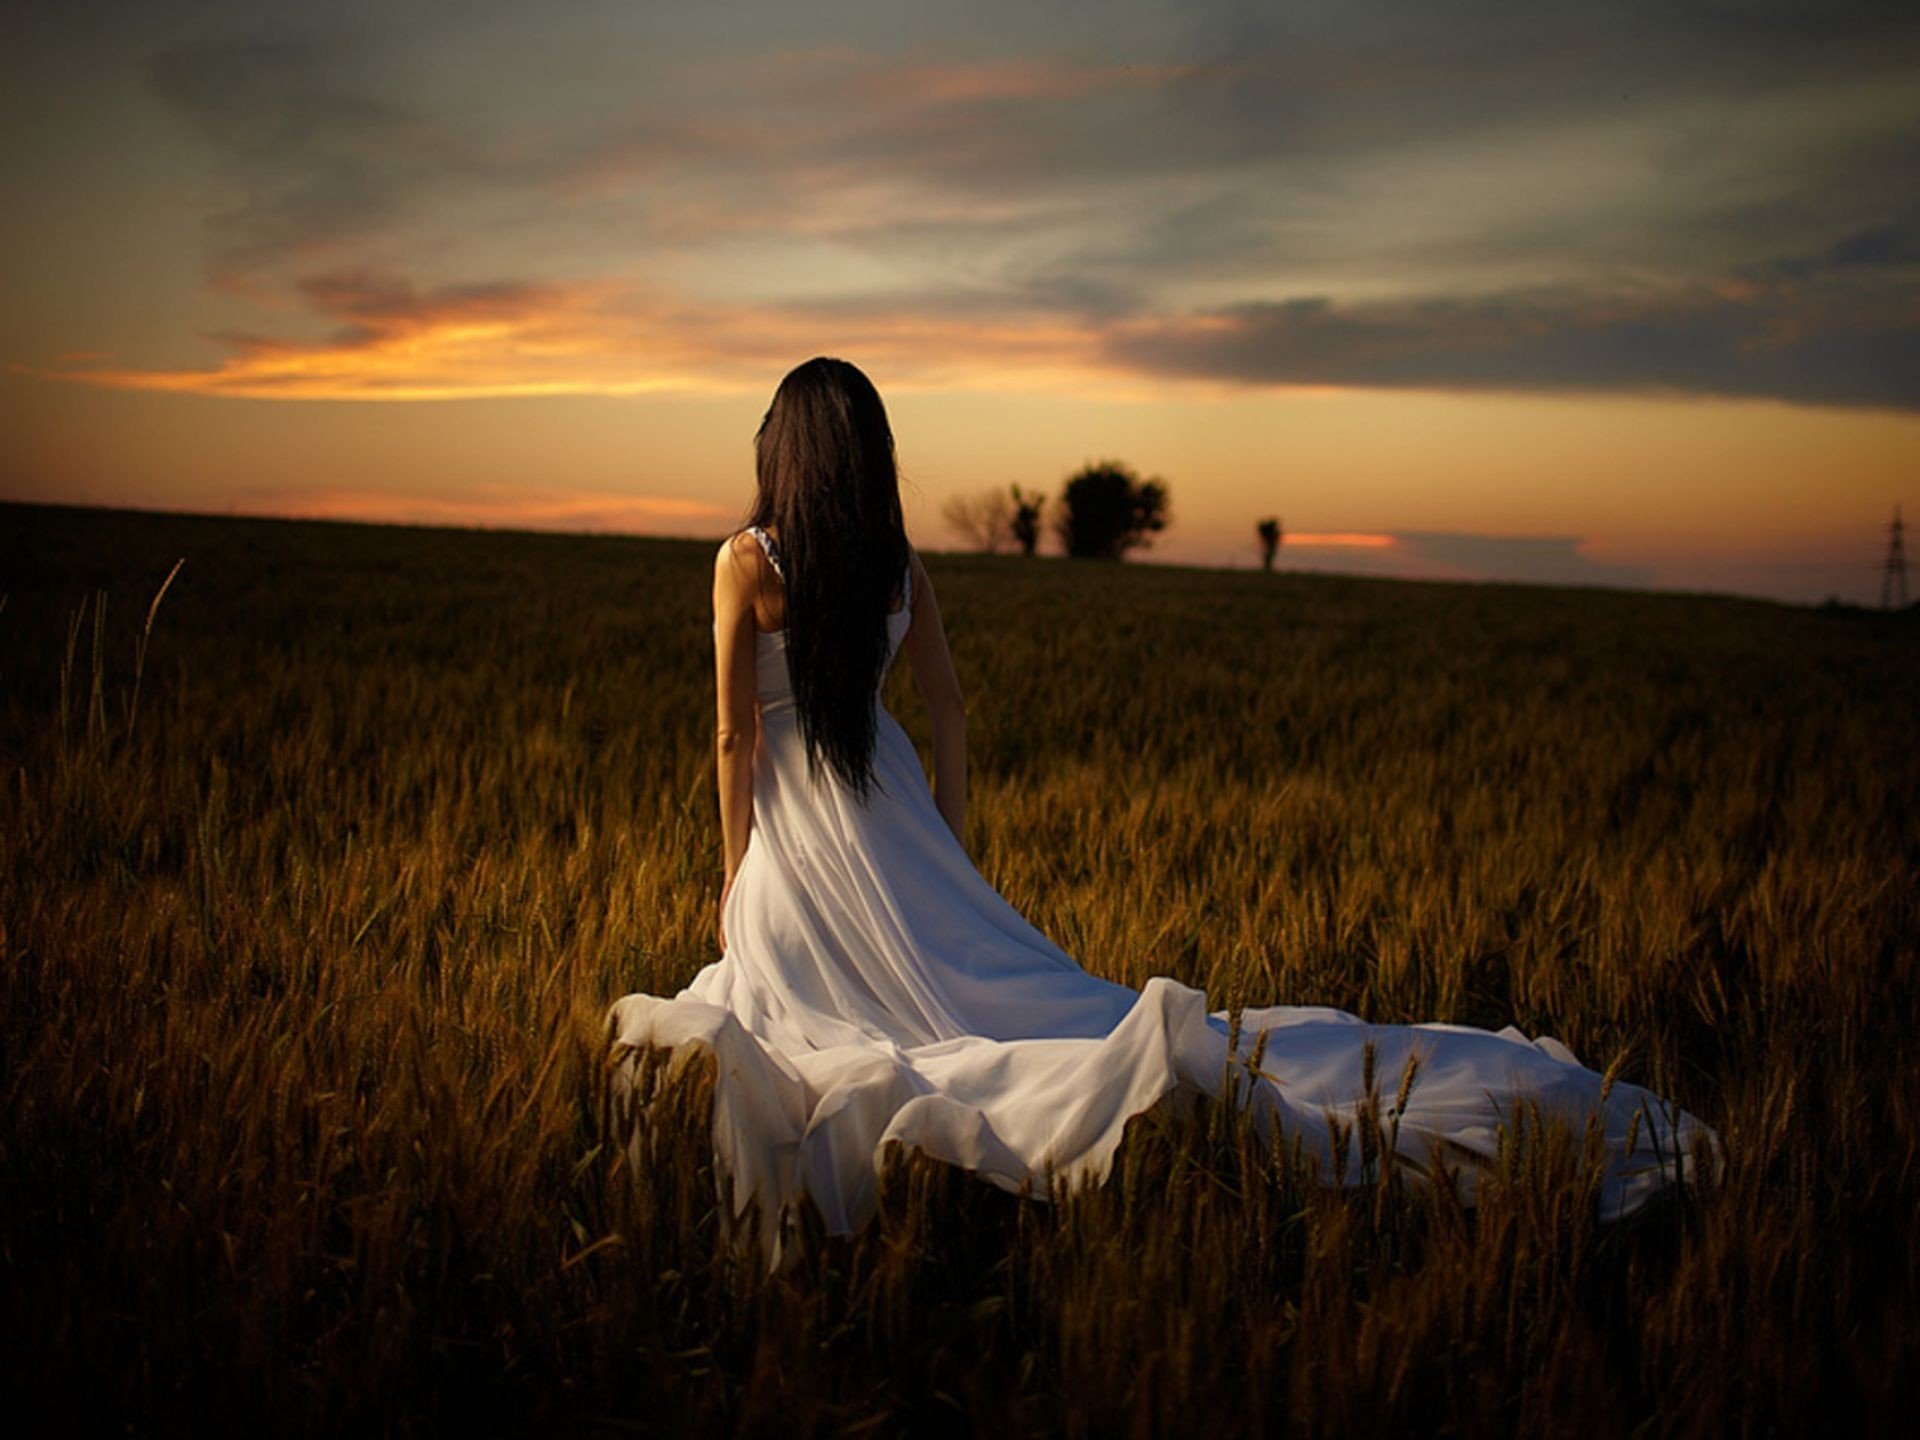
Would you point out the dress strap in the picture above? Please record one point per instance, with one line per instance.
(768, 544)
(772, 547)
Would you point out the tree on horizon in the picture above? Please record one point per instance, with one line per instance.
(1025, 524)
(1270, 536)
(1106, 510)
(984, 520)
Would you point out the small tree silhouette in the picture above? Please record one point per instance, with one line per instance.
(1107, 510)
(1025, 523)
(1270, 534)
(983, 520)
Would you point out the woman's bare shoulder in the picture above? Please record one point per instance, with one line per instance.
(740, 564)
(742, 550)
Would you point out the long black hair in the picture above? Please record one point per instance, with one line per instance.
(829, 485)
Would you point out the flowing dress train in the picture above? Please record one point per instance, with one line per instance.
(876, 989)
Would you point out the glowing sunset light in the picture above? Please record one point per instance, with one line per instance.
(1341, 540)
(497, 507)
(398, 343)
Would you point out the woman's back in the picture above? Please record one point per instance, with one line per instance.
(773, 682)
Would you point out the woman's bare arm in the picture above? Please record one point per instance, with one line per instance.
(736, 577)
(932, 662)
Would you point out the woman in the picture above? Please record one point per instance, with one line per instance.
(873, 988)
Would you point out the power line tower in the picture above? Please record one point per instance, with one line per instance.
(1893, 577)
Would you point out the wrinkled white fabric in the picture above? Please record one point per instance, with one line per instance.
(876, 989)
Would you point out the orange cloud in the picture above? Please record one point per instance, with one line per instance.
(393, 341)
(1340, 540)
(488, 506)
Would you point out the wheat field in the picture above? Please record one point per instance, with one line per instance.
(320, 874)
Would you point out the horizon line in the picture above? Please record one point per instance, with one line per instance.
(1142, 558)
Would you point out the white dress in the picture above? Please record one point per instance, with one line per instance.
(876, 989)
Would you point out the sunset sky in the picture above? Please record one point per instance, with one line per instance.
(1601, 293)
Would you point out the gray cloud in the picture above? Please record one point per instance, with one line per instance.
(319, 152)
(1534, 559)
(1451, 149)
(1857, 344)
(1468, 555)
(1883, 247)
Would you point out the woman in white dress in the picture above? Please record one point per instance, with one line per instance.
(874, 989)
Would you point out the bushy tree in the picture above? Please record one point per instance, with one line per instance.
(1106, 510)
(1269, 531)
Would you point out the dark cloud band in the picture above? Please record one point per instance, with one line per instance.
(1858, 347)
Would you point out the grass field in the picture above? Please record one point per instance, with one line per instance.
(311, 910)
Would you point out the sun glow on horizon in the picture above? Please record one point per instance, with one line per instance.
(494, 507)
(1340, 540)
